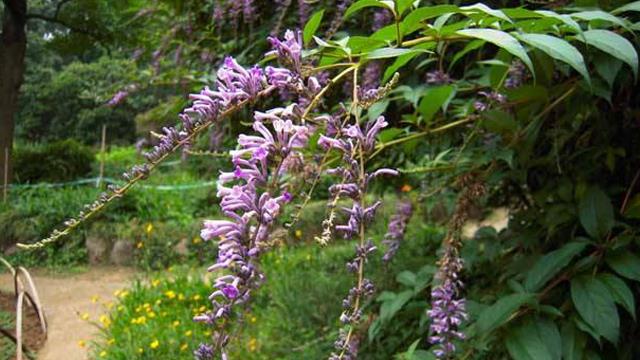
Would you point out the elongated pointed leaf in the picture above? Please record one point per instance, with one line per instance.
(634, 6)
(434, 100)
(596, 306)
(625, 264)
(598, 15)
(613, 44)
(311, 26)
(620, 292)
(480, 7)
(596, 212)
(501, 39)
(566, 19)
(359, 5)
(498, 313)
(551, 264)
(559, 50)
(534, 340)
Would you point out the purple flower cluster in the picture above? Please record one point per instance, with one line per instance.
(492, 97)
(516, 75)
(235, 84)
(447, 310)
(251, 197)
(355, 144)
(338, 17)
(438, 77)
(396, 229)
(304, 9)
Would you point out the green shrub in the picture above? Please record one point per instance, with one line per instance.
(54, 162)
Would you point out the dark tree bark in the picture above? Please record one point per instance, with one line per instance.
(13, 44)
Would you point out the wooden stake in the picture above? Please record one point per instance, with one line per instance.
(102, 149)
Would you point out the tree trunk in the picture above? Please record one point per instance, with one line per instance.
(13, 44)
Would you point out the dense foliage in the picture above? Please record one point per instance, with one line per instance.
(532, 108)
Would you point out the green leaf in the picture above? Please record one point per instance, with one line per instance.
(598, 15)
(390, 52)
(529, 341)
(406, 278)
(403, 5)
(596, 212)
(566, 19)
(573, 342)
(613, 44)
(359, 5)
(501, 39)
(625, 264)
(551, 264)
(634, 6)
(435, 99)
(633, 209)
(389, 308)
(480, 7)
(415, 19)
(559, 50)
(607, 67)
(498, 313)
(620, 292)
(311, 26)
(596, 306)
(389, 134)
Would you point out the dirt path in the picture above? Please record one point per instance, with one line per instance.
(68, 298)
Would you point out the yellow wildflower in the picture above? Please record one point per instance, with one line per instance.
(253, 344)
(154, 344)
(106, 322)
(184, 347)
(84, 316)
(298, 234)
(149, 228)
(180, 297)
(151, 314)
(155, 283)
(94, 299)
(82, 343)
(196, 240)
(253, 319)
(176, 323)
(188, 333)
(103, 354)
(111, 341)
(140, 350)
(170, 294)
(196, 297)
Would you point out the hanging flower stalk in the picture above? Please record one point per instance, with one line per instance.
(355, 144)
(448, 309)
(252, 194)
(396, 229)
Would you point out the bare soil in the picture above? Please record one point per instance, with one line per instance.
(66, 298)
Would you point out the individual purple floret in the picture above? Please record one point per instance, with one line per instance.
(397, 228)
(492, 97)
(118, 98)
(204, 352)
(438, 77)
